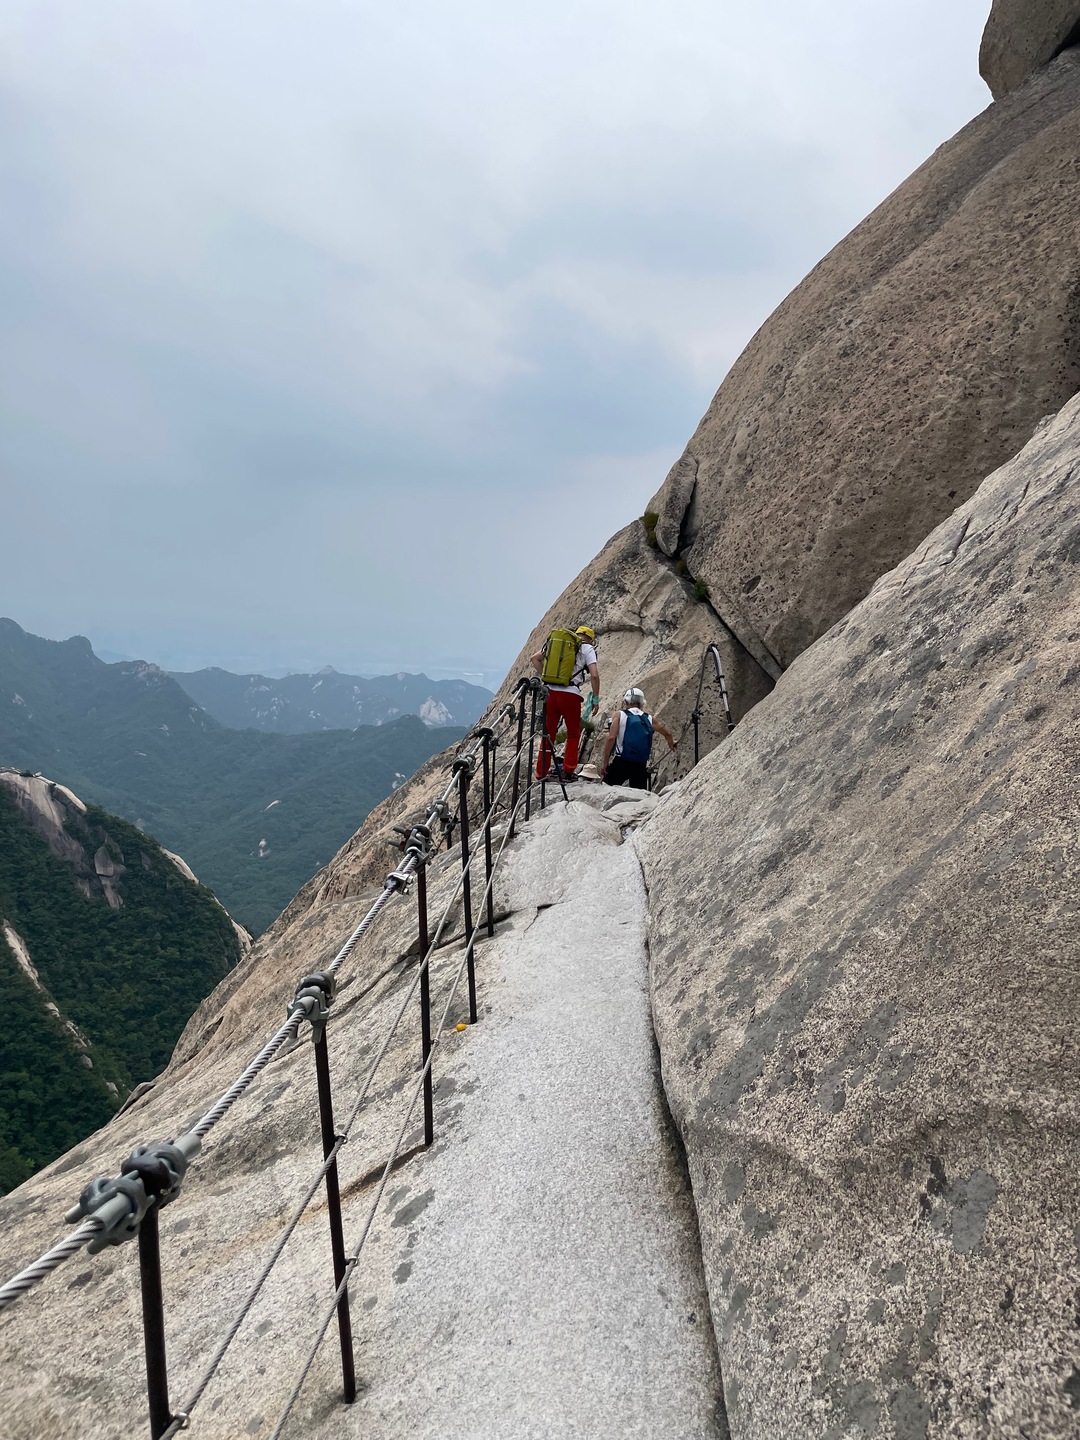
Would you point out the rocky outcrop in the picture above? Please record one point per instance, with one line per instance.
(916, 358)
(1022, 36)
(57, 816)
(863, 938)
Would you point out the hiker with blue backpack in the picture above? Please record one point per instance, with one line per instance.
(630, 736)
(567, 660)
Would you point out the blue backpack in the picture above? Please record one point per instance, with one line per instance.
(637, 737)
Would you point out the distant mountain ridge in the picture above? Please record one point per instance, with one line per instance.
(255, 814)
(328, 700)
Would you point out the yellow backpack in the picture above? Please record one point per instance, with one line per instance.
(560, 657)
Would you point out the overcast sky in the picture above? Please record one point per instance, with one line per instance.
(345, 333)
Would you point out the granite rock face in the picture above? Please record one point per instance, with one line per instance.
(912, 361)
(866, 984)
(653, 630)
(536, 1272)
(1021, 37)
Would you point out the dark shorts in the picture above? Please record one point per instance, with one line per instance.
(634, 773)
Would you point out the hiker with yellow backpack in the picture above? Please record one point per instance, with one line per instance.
(567, 660)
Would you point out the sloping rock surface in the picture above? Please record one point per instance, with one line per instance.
(912, 361)
(866, 983)
(536, 1273)
(1021, 37)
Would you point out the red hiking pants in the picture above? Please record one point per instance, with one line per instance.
(564, 705)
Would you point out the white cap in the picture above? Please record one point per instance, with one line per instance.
(635, 697)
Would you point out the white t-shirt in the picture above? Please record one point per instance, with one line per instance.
(586, 656)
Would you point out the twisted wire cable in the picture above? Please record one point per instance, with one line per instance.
(343, 1135)
(351, 1263)
(45, 1264)
(39, 1269)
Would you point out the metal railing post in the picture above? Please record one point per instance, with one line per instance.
(153, 1317)
(532, 740)
(464, 769)
(695, 717)
(515, 792)
(333, 1202)
(489, 749)
(425, 1001)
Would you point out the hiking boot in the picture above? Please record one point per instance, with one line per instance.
(569, 776)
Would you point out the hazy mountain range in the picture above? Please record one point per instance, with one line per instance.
(301, 704)
(254, 814)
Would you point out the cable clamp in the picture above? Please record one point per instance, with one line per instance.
(124, 1202)
(314, 996)
(464, 765)
(151, 1175)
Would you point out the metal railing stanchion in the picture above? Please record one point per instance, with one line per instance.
(522, 685)
(425, 1002)
(153, 1317)
(533, 691)
(489, 755)
(321, 988)
(464, 770)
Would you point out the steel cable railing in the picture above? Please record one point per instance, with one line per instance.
(110, 1214)
(387, 1170)
(113, 1210)
(294, 1220)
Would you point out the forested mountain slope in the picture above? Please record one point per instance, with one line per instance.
(254, 814)
(106, 947)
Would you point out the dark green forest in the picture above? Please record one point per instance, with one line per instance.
(128, 978)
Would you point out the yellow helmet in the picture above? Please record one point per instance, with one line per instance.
(586, 632)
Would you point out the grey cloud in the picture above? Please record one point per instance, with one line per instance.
(297, 297)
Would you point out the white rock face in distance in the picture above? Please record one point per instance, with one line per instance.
(863, 931)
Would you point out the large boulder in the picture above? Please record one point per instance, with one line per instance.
(866, 988)
(1022, 36)
(915, 359)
